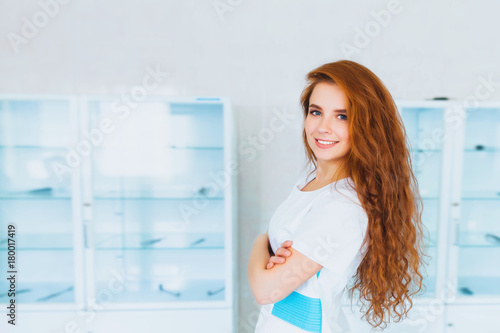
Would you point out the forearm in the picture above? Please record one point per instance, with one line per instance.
(273, 285)
(259, 257)
(266, 284)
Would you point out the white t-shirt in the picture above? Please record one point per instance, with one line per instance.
(327, 225)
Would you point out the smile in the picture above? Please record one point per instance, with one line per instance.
(325, 144)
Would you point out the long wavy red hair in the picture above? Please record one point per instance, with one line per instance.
(379, 163)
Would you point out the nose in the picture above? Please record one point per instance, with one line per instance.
(326, 125)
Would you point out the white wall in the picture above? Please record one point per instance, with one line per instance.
(257, 54)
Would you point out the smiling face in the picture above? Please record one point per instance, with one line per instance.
(326, 124)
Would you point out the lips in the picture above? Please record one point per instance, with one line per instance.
(326, 143)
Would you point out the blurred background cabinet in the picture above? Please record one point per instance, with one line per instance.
(456, 159)
(123, 212)
(34, 135)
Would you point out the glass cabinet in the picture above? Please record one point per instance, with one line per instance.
(456, 158)
(425, 128)
(478, 238)
(37, 199)
(157, 205)
(119, 207)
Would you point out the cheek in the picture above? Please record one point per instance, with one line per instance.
(346, 138)
(347, 146)
(309, 126)
(343, 134)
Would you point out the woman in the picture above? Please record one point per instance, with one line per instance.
(356, 217)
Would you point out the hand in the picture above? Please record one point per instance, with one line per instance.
(281, 254)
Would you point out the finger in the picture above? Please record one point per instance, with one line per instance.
(269, 265)
(277, 260)
(283, 252)
(287, 243)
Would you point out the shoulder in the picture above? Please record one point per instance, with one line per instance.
(341, 200)
(342, 192)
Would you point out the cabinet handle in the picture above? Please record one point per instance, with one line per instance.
(457, 229)
(85, 243)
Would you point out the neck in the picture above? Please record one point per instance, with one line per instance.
(326, 173)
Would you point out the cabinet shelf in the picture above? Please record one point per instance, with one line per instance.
(41, 292)
(469, 196)
(178, 173)
(33, 147)
(429, 197)
(466, 150)
(125, 241)
(196, 147)
(113, 196)
(482, 150)
(479, 239)
(3, 196)
(143, 241)
(469, 286)
(40, 242)
(168, 290)
(418, 150)
(175, 147)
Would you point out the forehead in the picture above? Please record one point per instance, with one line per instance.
(328, 95)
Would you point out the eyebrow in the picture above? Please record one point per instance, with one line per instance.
(319, 107)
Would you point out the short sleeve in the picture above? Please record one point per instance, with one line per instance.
(331, 233)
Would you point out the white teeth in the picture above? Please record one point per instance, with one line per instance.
(327, 142)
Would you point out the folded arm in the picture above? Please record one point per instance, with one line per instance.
(273, 285)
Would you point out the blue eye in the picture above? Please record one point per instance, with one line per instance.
(319, 113)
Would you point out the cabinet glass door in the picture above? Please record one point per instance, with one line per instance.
(424, 127)
(479, 228)
(36, 197)
(158, 215)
